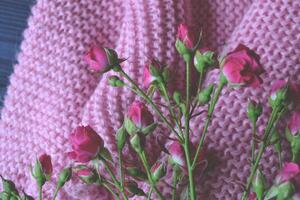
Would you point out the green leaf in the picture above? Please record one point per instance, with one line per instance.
(104, 153)
(136, 173)
(129, 126)
(271, 193)
(149, 129)
(177, 97)
(121, 138)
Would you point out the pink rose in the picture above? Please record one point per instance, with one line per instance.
(97, 59)
(139, 114)
(46, 164)
(242, 67)
(177, 154)
(289, 172)
(86, 174)
(149, 78)
(293, 93)
(86, 144)
(186, 35)
(294, 122)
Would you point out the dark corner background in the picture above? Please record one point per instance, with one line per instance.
(13, 21)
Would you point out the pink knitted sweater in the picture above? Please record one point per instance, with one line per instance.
(52, 91)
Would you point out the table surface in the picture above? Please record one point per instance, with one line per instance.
(13, 21)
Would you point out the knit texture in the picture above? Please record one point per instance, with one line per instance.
(51, 90)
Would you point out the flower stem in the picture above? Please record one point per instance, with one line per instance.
(144, 96)
(186, 146)
(271, 123)
(40, 192)
(209, 118)
(147, 168)
(175, 179)
(106, 185)
(120, 157)
(253, 144)
(150, 193)
(199, 87)
(55, 193)
(113, 177)
(165, 93)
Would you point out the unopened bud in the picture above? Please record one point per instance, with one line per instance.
(202, 61)
(136, 173)
(121, 138)
(254, 111)
(135, 142)
(64, 177)
(258, 184)
(158, 171)
(115, 81)
(205, 95)
(285, 191)
(133, 189)
(86, 174)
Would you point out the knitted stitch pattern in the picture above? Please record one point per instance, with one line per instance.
(52, 91)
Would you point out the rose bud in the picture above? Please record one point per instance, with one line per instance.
(177, 154)
(8, 187)
(158, 171)
(101, 59)
(285, 182)
(259, 185)
(132, 189)
(155, 72)
(185, 41)
(254, 111)
(138, 117)
(42, 169)
(242, 67)
(284, 92)
(64, 177)
(86, 144)
(204, 58)
(292, 134)
(288, 172)
(86, 174)
(205, 95)
(115, 81)
(137, 143)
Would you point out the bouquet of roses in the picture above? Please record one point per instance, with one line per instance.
(180, 159)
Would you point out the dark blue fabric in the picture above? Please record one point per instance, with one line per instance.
(13, 18)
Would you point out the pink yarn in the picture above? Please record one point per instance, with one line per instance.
(52, 91)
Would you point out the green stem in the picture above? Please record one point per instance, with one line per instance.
(40, 192)
(175, 179)
(280, 159)
(273, 118)
(104, 183)
(192, 188)
(148, 171)
(253, 144)
(113, 177)
(120, 156)
(165, 93)
(143, 95)
(208, 119)
(55, 193)
(150, 194)
(111, 190)
(199, 87)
